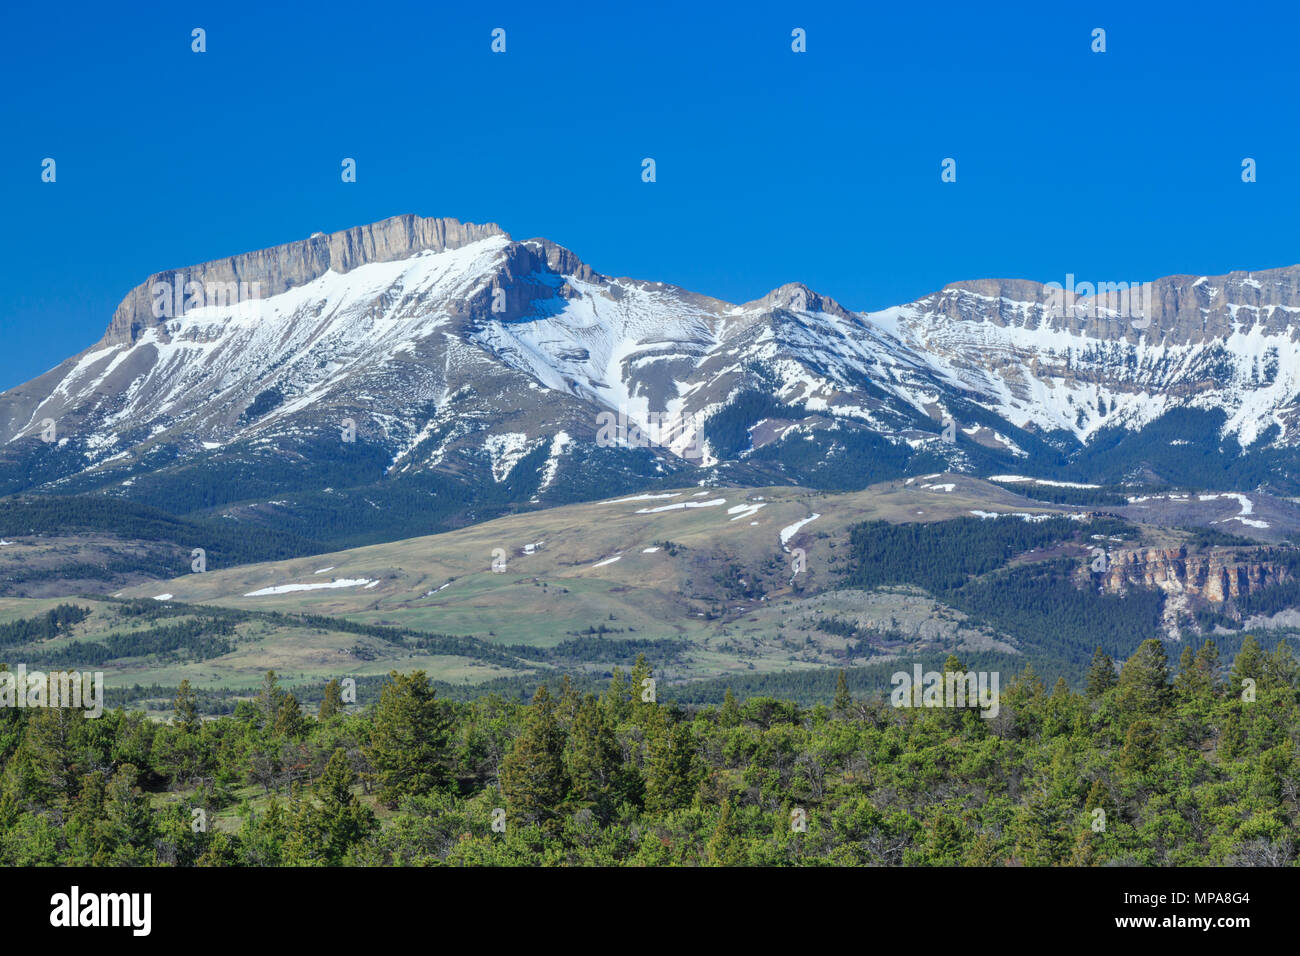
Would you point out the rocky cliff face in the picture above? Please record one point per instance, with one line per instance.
(1183, 309)
(284, 267)
(1215, 576)
(1219, 343)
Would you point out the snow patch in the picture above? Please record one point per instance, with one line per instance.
(505, 451)
(678, 506)
(789, 531)
(287, 588)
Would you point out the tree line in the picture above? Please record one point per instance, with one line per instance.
(1142, 766)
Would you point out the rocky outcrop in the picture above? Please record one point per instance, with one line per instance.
(1215, 576)
(797, 297)
(283, 267)
(1185, 310)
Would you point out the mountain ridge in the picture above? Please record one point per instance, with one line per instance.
(482, 365)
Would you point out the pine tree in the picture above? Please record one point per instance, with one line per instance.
(410, 732)
(730, 714)
(1101, 674)
(262, 836)
(320, 833)
(593, 760)
(289, 721)
(185, 708)
(1209, 666)
(643, 709)
(843, 700)
(672, 772)
(130, 826)
(1248, 665)
(533, 777)
(1232, 736)
(1185, 684)
(566, 707)
(1028, 684)
(268, 700)
(1098, 797)
(1281, 668)
(615, 699)
(332, 702)
(1141, 748)
(1144, 679)
(44, 768)
(725, 847)
(89, 842)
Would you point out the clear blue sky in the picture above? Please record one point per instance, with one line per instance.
(772, 166)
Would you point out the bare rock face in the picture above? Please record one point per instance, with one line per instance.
(1182, 309)
(797, 297)
(1216, 576)
(280, 268)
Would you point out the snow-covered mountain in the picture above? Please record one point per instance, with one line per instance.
(480, 371)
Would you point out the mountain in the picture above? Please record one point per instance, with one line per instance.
(420, 374)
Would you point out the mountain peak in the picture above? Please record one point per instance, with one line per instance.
(796, 297)
(279, 268)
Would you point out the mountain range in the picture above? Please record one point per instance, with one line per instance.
(420, 374)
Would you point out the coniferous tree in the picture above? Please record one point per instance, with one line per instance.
(130, 823)
(724, 847)
(185, 708)
(672, 771)
(644, 706)
(1281, 668)
(533, 777)
(89, 842)
(269, 699)
(616, 700)
(593, 760)
(1144, 679)
(323, 830)
(410, 732)
(729, 716)
(1209, 667)
(843, 699)
(1101, 674)
(1249, 664)
(289, 720)
(332, 702)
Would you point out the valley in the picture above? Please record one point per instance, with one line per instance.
(773, 587)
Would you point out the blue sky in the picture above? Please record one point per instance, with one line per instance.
(822, 167)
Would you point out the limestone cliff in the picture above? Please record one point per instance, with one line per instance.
(1215, 576)
(293, 264)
